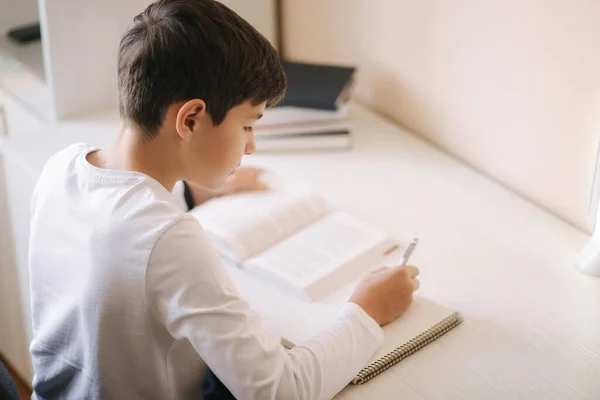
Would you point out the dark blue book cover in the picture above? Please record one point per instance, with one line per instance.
(324, 87)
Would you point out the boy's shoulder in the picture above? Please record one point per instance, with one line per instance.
(118, 202)
(67, 175)
(57, 165)
(67, 154)
(62, 159)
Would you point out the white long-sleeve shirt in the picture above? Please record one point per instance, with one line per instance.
(131, 301)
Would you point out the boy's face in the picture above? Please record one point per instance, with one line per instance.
(209, 153)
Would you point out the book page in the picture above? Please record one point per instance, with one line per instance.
(320, 256)
(244, 224)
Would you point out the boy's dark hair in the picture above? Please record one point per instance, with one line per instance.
(178, 50)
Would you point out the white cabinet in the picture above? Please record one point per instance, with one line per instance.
(15, 321)
(16, 186)
(15, 118)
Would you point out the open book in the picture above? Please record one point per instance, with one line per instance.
(291, 238)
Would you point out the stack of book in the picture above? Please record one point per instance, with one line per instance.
(313, 114)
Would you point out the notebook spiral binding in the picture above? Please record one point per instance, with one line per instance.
(407, 349)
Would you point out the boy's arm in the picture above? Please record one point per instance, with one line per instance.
(244, 179)
(191, 294)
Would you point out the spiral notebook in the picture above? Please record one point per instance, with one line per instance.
(385, 359)
(423, 323)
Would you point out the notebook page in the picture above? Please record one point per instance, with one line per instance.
(242, 225)
(420, 316)
(321, 256)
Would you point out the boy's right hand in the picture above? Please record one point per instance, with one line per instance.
(386, 293)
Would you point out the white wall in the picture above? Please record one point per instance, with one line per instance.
(512, 87)
(260, 13)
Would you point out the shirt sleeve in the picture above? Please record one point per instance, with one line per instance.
(192, 295)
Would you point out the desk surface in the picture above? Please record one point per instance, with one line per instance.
(532, 322)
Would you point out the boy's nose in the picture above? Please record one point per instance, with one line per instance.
(250, 145)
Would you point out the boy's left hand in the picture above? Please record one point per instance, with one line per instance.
(244, 179)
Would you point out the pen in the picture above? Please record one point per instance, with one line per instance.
(408, 252)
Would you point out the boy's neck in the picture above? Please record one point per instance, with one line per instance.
(131, 152)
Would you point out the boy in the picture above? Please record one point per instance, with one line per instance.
(129, 299)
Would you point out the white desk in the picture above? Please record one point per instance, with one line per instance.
(532, 322)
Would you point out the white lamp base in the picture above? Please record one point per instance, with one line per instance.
(588, 261)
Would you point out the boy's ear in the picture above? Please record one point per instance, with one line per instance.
(188, 118)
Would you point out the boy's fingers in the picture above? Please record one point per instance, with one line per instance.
(412, 270)
(416, 284)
